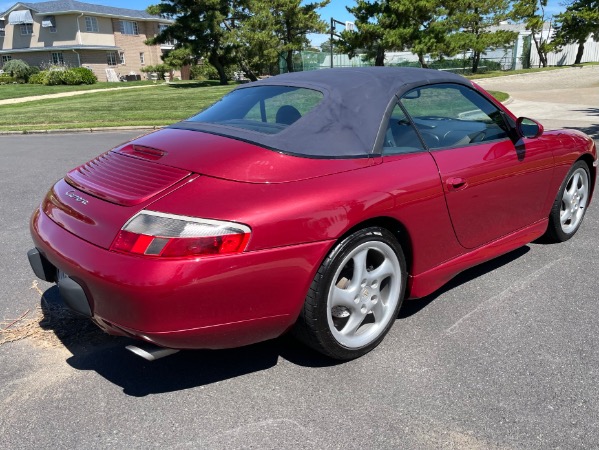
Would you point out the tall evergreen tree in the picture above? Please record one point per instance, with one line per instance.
(204, 27)
(576, 24)
(474, 19)
(289, 21)
(420, 26)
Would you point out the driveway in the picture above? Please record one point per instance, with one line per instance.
(505, 356)
(565, 98)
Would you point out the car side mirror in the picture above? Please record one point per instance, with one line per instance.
(528, 128)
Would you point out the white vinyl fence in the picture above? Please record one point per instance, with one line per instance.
(567, 55)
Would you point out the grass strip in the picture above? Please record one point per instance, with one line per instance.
(162, 105)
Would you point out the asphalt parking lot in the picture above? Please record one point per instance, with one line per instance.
(505, 356)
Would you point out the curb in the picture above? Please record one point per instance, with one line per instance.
(507, 101)
(80, 130)
(507, 75)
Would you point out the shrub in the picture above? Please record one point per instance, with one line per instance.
(17, 68)
(38, 78)
(70, 78)
(6, 79)
(85, 75)
(54, 77)
(160, 69)
(204, 72)
(207, 71)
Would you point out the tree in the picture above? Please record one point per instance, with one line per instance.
(576, 24)
(532, 13)
(420, 26)
(204, 27)
(289, 21)
(373, 20)
(474, 20)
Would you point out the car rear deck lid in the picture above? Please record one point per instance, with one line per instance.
(123, 179)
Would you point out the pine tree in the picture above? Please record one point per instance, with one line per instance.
(576, 24)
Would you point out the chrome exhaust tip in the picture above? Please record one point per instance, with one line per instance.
(151, 352)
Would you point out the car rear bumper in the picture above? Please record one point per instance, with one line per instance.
(214, 302)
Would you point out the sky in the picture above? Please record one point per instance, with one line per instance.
(335, 9)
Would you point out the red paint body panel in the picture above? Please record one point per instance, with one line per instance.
(504, 188)
(236, 160)
(426, 283)
(403, 187)
(156, 296)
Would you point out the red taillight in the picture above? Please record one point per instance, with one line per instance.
(165, 235)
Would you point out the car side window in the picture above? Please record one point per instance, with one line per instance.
(400, 137)
(452, 115)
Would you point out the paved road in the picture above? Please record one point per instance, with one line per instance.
(506, 356)
(565, 98)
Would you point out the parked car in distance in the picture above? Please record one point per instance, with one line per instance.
(309, 202)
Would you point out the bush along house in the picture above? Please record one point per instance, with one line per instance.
(109, 41)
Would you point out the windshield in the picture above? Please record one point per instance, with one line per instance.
(265, 109)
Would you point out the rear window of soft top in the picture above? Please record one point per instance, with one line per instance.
(264, 109)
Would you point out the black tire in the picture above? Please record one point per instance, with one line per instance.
(557, 232)
(371, 289)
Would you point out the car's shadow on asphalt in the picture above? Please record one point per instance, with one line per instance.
(93, 350)
(106, 355)
(593, 129)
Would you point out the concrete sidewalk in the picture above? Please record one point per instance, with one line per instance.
(33, 98)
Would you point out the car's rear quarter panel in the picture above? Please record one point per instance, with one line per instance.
(405, 188)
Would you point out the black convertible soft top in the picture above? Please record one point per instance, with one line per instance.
(346, 123)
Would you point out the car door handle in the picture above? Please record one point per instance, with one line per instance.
(455, 183)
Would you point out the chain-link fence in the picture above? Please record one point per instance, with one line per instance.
(305, 60)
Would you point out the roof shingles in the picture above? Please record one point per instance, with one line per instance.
(62, 6)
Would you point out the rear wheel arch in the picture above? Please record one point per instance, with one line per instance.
(395, 227)
(588, 159)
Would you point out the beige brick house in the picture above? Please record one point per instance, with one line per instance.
(81, 34)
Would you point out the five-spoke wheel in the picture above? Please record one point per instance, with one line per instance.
(571, 203)
(355, 296)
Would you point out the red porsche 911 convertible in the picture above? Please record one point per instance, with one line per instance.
(313, 202)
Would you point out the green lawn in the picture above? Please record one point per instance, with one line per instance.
(501, 96)
(161, 105)
(27, 90)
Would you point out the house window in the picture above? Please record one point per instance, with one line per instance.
(111, 58)
(50, 23)
(91, 24)
(26, 29)
(128, 27)
(161, 28)
(6, 58)
(142, 58)
(57, 58)
(121, 57)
